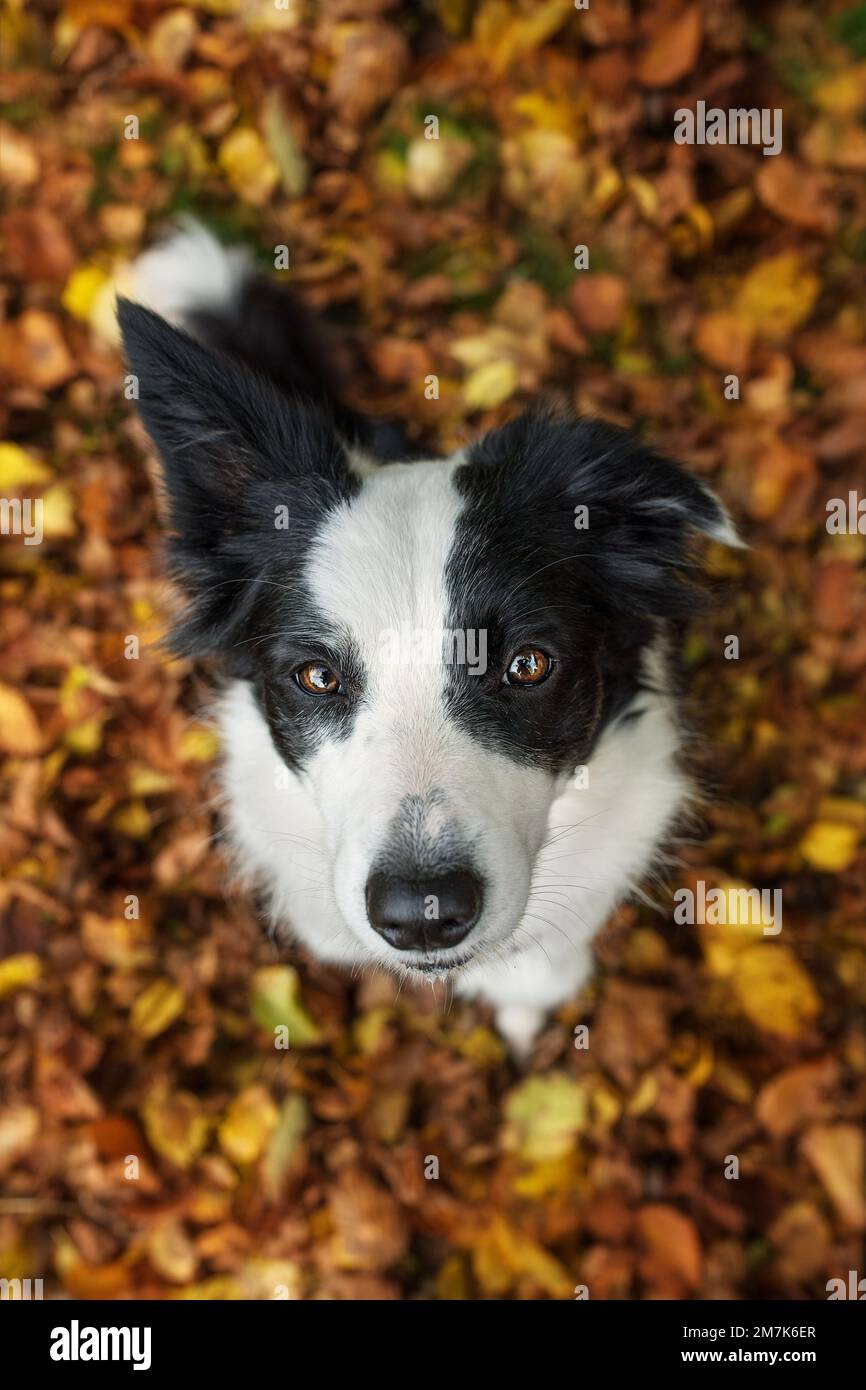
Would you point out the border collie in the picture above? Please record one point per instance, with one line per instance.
(451, 738)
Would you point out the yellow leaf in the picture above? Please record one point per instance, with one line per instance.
(774, 991)
(17, 972)
(19, 731)
(156, 1009)
(736, 922)
(171, 1252)
(85, 738)
(176, 1126)
(838, 1155)
(777, 295)
(247, 165)
(82, 288)
(115, 940)
(505, 1254)
(283, 1146)
(199, 744)
(133, 820)
(830, 845)
(543, 1116)
(58, 519)
(554, 1175)
(17, 468)
(843, 808)
(844, 93)
(249, 1122)
(276, 1003)
(148, 781)
(490, 385)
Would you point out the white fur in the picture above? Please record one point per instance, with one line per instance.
(188, 271)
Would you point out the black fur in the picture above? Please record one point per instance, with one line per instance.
(592, 598)
(235, 449)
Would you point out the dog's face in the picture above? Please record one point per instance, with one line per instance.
(435, 646)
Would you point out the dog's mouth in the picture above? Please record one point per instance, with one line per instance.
(432, 965)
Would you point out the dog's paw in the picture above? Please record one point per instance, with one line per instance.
(520, 1025)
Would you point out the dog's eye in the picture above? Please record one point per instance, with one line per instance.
(315, 678)
(529, 666)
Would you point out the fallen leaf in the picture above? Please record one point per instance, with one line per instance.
(672, 1244)
(19, 972)
(796, 1096)
(175, 1124)
(777, 295)
(796, 193)
(838, 1155)
(19, 729)
(248, 1124)
(369, 1230)
(543, 1116)
(830, 846)
(774, 991)
(276, 1004)
(248, 166)
(156, 1009)
(673, 48)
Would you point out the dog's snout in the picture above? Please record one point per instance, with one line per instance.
(424, 914)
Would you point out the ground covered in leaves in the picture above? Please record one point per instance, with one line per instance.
(153, 1142)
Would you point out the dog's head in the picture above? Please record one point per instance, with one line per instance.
(435, 646)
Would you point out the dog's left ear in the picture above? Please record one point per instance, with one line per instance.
(626, 513)
(249, 470)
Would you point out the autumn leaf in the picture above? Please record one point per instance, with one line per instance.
(19, 730)
(774, 991)
(543, 1116)
(777, 295)
(672, 1243)
(505, 1256)
(18, 468)
(838, 1155)
(248, 166)
(171, 1252)
(830, 846)
(19, 972)
(276, 1004)
(156, 1009)
(248, 1124)
(796, 193)
(673, 48)
(175, 1125)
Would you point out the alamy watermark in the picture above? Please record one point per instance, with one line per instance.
(729, 907)
(737, 126)
(22, 516)
(422, 646)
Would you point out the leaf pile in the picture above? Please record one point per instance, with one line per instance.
(153, 1139)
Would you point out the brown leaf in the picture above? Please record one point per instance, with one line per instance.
(35, 352)
(796, 193)
(838, 1155)
(370, 61)
(369, 1230)
(672, 1245)
(796, 1096)
(599, 301)
(673, 48)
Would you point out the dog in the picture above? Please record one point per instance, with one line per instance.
(452, 733)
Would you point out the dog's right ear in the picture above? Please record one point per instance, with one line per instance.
(248, 471)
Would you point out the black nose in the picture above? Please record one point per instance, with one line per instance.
(424, 914)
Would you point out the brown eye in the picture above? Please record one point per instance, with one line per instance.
(318, 679)
(529, 666)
